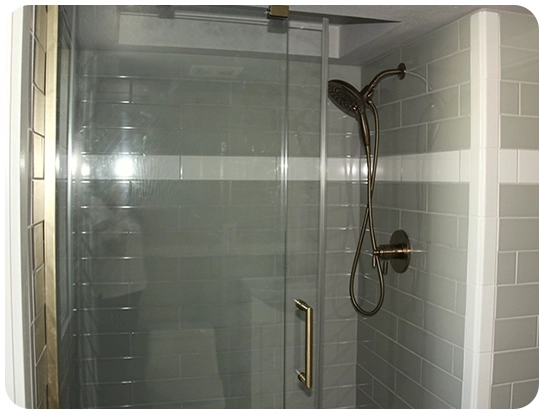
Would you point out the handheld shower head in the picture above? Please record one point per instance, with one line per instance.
(350, 101)
(346, 97)
(353, 103)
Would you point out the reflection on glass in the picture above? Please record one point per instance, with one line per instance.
(180, 213)
(124, 167)
(85, 169)
(180, 282)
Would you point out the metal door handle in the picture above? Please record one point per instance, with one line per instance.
(306, 377)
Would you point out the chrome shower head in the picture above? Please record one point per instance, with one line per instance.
(346, 97)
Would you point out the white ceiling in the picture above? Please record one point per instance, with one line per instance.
(361, 43)
(381, 28)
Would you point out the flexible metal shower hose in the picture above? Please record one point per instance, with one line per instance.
(368, 218)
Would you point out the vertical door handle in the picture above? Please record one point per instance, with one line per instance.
(306, 377)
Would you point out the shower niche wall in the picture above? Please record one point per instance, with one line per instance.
(193, 224)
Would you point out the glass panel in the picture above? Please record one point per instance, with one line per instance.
(178, 196)
(64, 274)
(303, 225)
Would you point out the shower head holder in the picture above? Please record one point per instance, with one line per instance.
(368, 90)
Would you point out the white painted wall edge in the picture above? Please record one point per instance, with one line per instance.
(13, 330)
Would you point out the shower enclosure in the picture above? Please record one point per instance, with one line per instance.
(191, 175)
(181, 233)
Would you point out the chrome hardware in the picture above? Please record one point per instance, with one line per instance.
(277, 12)
(397, 252)
(306, 377)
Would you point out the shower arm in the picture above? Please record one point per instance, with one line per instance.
(368, 90)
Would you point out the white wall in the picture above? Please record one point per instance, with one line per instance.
(12, 82)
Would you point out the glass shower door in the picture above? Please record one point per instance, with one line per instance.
(179, 197)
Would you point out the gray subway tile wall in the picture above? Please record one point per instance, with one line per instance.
(343, 207)
(201, 247)
(516, 324)
(410, 354)
(438, 278)
(515, 342)
(401, 358)
(302, 238)
(173, 273)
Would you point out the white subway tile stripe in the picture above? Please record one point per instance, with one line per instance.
(164, 167)
(442, 167)
(106, 167)
(345, 169)
(464, 166)
(518, 166)
(528, 166)
(431, 167)
(302, 169)
(412, 167)
(228, 168)
(508, 166)
(389, 168)
(515, 166)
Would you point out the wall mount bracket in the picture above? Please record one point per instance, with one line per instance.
(278, 12)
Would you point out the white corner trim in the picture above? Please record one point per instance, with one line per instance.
(483, 209)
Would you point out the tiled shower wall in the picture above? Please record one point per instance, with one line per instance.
(515, 351)
(180, 297)
(215, 169)
(343, 210)
(410, 354)
(220, 192)
(400, 358)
